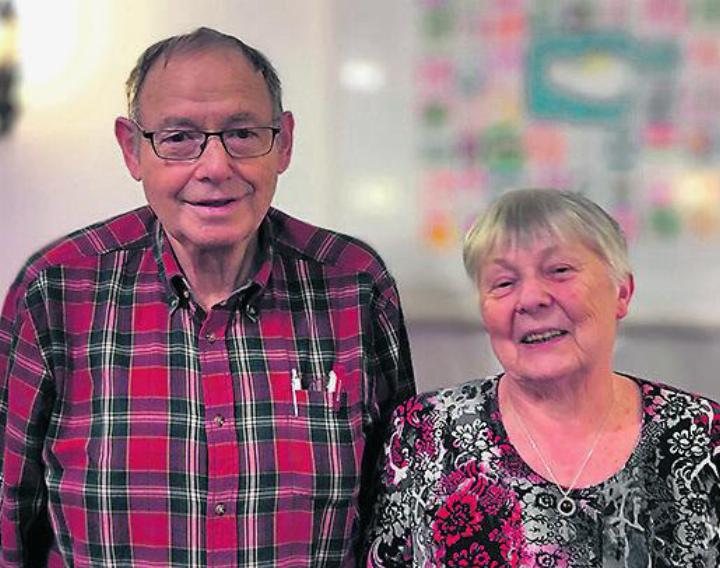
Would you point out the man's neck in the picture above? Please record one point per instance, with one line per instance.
(213, 274)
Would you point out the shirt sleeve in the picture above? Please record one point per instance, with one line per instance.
(391, 381)
(26, 398)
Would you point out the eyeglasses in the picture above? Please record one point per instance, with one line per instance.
(177, 144)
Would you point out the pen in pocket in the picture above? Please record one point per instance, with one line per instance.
(295, 385)
(333, 385)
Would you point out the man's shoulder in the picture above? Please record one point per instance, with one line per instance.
(85, 246)
(324, 246)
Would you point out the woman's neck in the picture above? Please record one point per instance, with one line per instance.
(565, 425)
(566, 399)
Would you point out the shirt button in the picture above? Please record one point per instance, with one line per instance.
(219, 420)
(220, 509)
(186, 294)
(211, 337)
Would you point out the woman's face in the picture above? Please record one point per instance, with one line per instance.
(551, 309)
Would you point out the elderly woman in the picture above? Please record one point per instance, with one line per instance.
(559, 460)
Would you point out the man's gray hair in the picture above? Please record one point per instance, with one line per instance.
(194, 41)
(521, 216)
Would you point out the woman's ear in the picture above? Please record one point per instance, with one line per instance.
(625, 293)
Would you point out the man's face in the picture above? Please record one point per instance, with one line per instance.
(215, 202)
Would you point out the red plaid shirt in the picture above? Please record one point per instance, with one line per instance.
(138, 430)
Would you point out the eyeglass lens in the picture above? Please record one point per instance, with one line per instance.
(188, 144)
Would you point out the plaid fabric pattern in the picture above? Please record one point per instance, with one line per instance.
(138, 430)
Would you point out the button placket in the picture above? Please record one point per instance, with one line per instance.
(222, 451)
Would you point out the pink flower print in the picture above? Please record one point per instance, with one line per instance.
(425, 443)
(474, 556)
(458, 517)
(398, 456)
(493, 500)
(408, 411)
(510, 460)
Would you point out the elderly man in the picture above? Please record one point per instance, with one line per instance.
(204, 381)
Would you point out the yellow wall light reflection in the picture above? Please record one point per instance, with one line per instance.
(61, 45)
(697, 198)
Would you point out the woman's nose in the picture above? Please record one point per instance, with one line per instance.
(533, 295)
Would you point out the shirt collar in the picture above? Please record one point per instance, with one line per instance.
(178, 290)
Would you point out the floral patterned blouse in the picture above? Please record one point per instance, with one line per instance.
(456, 493)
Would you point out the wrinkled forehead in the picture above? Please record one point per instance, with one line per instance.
(204, 81)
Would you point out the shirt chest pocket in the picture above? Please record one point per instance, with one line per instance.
(320, 440)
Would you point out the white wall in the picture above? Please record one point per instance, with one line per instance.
(61, 169)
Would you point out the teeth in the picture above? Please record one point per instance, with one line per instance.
(540, 337)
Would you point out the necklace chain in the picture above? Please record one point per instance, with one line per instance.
(566, 506)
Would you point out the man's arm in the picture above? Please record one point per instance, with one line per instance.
(25, 402)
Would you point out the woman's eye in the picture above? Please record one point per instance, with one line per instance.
(501, 285)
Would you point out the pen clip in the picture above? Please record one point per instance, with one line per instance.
(332, 382)
(295, 385)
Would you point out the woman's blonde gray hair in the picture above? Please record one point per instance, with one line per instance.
(519, 217)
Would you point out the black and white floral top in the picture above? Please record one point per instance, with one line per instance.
(456, 493)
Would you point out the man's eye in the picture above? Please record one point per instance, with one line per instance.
(176, 137)
(560, 269)
(241, 134)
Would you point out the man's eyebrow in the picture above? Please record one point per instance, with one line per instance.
(176, 122)
(243, 117)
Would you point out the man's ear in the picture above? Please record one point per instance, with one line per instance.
(128, 138)
(284, 141)
(625, 293)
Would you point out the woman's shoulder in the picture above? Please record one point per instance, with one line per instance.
(680, 410)
(659, 394)
(475, 396)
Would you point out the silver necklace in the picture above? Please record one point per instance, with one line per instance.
(566, 506)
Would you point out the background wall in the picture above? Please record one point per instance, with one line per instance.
(350, 76)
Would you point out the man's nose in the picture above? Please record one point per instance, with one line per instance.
(215, 162)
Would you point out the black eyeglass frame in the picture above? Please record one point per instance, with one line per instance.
(150, 135)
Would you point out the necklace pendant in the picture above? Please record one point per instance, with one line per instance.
(566, 506)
